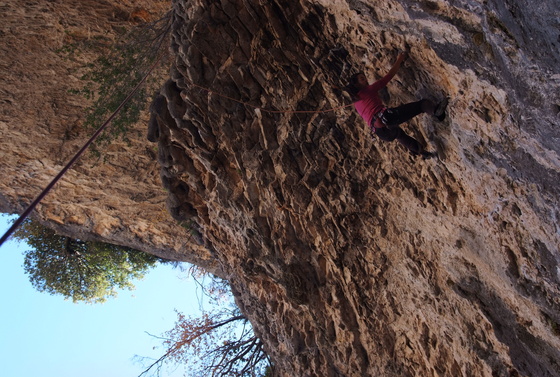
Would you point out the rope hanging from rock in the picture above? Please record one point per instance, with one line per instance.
(210, 91)
(78, 154)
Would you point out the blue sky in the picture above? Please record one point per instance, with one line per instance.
(46, 336)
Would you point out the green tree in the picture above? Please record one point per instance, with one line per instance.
(120, 65)
(80, 270)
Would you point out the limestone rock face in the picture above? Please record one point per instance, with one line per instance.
(115, 198)
(350, 256)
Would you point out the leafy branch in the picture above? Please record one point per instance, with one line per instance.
(111, 77)
(79, 270)
(219, 344)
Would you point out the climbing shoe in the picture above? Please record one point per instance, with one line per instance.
(439, 113)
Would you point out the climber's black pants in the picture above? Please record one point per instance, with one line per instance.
(390, 134)
(391, 119)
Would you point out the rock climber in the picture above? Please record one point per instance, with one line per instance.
(383, 121)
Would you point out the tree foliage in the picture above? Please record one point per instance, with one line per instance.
(120, 66)
(220, 344)
(80, 270)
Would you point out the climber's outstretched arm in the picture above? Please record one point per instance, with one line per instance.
(395, 68)
(392, 72)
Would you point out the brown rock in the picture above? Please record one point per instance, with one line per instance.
(350, 257)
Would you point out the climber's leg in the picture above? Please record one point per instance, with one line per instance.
(396, 133)
(388, 134)
(394, 116)
(410, 143)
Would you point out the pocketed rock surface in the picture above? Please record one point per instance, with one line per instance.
(349, 256)
(114, 197)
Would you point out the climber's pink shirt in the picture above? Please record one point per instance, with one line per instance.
(369, 103)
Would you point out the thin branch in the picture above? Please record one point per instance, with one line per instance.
(159, 361)
(158, 337)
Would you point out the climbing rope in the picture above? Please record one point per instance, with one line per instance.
(78, 154)
(210, 91)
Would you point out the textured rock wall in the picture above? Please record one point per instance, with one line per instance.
(117, 198)
(351, 257)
